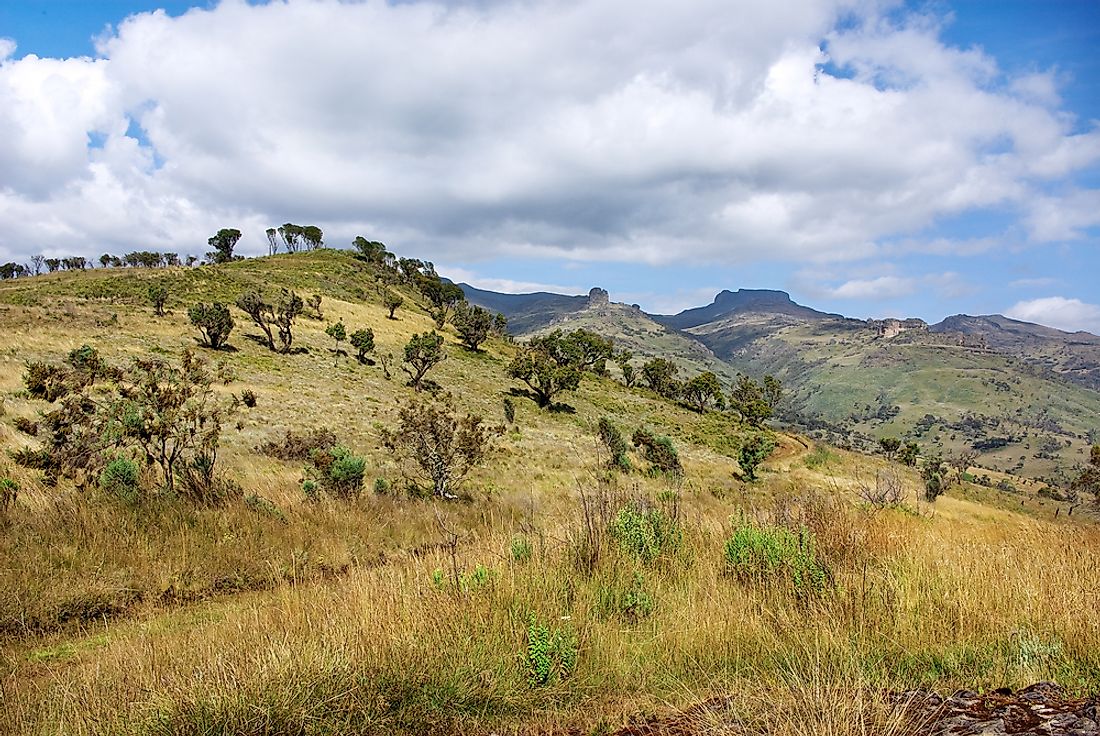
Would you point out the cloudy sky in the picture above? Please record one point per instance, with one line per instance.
(872, 157)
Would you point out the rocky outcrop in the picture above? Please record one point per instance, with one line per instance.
(1041, 709)
(598, 297)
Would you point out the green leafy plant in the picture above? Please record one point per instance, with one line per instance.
(520, 549)
(9, 492)
(214, 322)
(551, 653)
(631, 602)
(645, 531)
(120, 478)
(618, 452)
(659, 451)
(363, 342)
(765, 554)
(753, 452)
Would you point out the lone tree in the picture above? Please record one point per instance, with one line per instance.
(392, 300)
(703, 391)
(660, 375)
(588, 350)
(440, 446)
(473, 324)
(422, 353)
(280, 315)
(158, 296)
(214, 322)
(546, 368)
(339, 333)
(754, 451)
(443, 296)
(363, 342)
(223, 243)
(622, 358)
(272, 241)
(752, 402)
(934, 474)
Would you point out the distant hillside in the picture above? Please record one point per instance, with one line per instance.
(728, 303)
(525, 312)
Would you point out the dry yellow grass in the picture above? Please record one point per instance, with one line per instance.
(174, 619)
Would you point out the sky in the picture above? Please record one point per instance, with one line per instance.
(871, 157)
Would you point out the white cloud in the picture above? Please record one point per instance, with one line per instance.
(1034, 283)
(505, 286)
(599, 130)
(883, 287)
(1070, 315)
(7, 48)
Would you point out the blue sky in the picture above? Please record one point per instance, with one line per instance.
(910, 159)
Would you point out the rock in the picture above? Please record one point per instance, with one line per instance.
(598, 297)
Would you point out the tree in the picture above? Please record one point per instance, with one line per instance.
(960, 462)
(622, 358)
(37, 261)
(272, 241)
(312, 236)
(11, 271)
(773, 392)
(280, 315)
(612, 440)
(314, 304)
(754, 451)
(105, 260)
(934, 475)
(588, 351)
(473, 324)
(339, 333)
(214, 322)
(440, 446)
(52, 264)
(223, 243)
(291, 236)
(1089, 478)
(751, 401)
(702, 391)
(422, 353)
(363, 342)
(660, 375)
(371, 251)
(890, 446)
(442, 295)
(392, 300)
(545, 369)
(659, 451)
(909, 454)
(158, 296)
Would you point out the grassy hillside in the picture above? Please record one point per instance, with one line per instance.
(570, 598)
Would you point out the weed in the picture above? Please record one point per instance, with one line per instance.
(551, 653)
(764, 553)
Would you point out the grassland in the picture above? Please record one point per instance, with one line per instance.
(342, 617)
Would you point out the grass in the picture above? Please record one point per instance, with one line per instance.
(331, 618)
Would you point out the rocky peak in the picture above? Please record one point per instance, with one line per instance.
(598, 297)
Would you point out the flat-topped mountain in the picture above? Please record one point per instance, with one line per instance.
(743, 300)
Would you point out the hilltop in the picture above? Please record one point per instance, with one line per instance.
(556, 592)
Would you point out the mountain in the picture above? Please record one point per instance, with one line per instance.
(727, 303)
(525, 312)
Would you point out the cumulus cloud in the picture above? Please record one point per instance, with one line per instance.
(1070, 315)
(504, 286)
(599, 130)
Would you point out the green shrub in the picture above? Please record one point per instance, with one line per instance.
(631, 603)
(120, 478)
(617, 449)
(344, 477)
(820, 457)
(214, 321)
(659, 451)
(309, 488)
(9, 491)
(765, 554)
(381, 486)
(261, 505)
(551, 653)
(754, 451)
(520, 549)
(645, 532)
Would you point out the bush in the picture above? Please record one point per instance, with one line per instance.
(248, 398)
(612, 441)
(551, 653)
(267, 315)
(120, 479)
(509, 410)
(264, 507)
(631, 603)
(659, 451)
(299, 446)
(472, 323)
(754, 451)
(392, 300)
(422, 353)
(26, 426)
(214, 322)
(765, 554)
(363, 342)
(337, 471)
(9, 492)
(520, 549)
(158, 296)
(645, 532)
(46, 381)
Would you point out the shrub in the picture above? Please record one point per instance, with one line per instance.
(520, 548)
(422, 353)
(632, 602)
(279, 315)
(381, 486)
(299, 445)
(659, 451)
(392, 300)
(248, 398)
(264, 507)
(645, 532)
(313, 303)
(120, 479)
(27, 426)
(339, 333)
(888, 490)
(158, 296)
(509, 410)
(363, 342)
(46, 381)
(934, 475)
(9, 492)
(612, 441)
(754, 451)
(338, 471)
(440, 447)
(765, 554)
(551, 653)
(214, 322)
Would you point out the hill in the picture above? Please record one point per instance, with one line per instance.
(557, 594)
